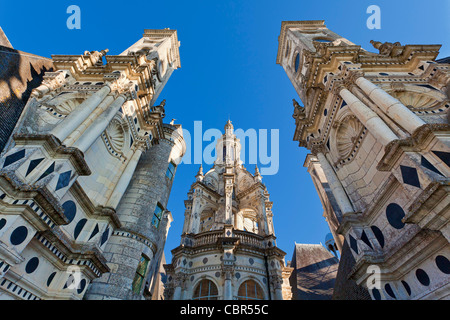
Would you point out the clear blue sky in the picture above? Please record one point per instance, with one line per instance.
(228, 51)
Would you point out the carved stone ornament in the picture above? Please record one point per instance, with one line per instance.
(122, 84)
(347, 135)
(416, 101)
(299, 111)
(388, 48)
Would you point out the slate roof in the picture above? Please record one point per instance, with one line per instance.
(314, 274)
(20, 73)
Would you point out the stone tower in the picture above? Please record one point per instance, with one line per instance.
(88, 167)
(228, 247)
(377, 126)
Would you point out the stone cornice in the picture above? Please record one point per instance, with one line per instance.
(401, 258)
(73, 250)
(76, 157)
(394, 150)
(286, 25)
(40, 194)
(96, 212)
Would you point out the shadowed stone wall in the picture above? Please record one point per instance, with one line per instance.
(20, 73)
(148, 187)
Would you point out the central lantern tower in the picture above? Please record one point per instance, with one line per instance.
(228, 247)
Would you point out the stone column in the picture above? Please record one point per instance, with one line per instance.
(368, 118)
(187, 222)
(277, 282)
(262, 208)
(195, 214)
(228, 199)
(99, 125)
(228, 289)
(177, 293)
(239, 221)
(391, 106)
(77, 116)
(137, 236)
(335, 185)
(124, 180)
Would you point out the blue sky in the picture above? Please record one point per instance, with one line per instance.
(228, 52)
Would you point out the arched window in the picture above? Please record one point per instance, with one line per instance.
(205, 290)
(206, 220)
(250, 290)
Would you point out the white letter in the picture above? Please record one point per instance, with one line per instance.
(187, 139)
(252, 144)
(76, 274)
(208, 156)
(274, 151)
(374, 21)
(374, 281)
(198, 142)
(74, 21)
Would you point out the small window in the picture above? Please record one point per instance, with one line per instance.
(297, 62)
(157, 216)
(250, 290)
(171, 171)
(140, 274)
(205, 290)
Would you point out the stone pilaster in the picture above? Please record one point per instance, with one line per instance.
(368, 117)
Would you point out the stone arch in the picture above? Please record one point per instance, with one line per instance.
(207, 219)
(248, 277)
(209, 278)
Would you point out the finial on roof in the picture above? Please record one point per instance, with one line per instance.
(199, 175)
(229, 125)
(257, 174)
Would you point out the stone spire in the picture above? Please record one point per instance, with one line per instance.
(199, 176)
(229, 129)
(257, 175)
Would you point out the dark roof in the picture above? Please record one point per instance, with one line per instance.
(314, 274)
(20, 73)
(443, 60)
(345, 288)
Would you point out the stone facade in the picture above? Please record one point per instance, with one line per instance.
(377, 124)
(228, 247)
(86, 175)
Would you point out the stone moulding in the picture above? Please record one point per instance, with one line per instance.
(123, 232)
(41, 195)
(99, 211)
(76, 156)
(435, 192)
(424, 242)
(394, 150)
(77, 251)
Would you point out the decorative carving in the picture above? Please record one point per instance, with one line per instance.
(276, 281)
(299, 111)
(388, 48)
(51, 81)
(416, 101)
(121, 83)
(348, 133)
(67, 106)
